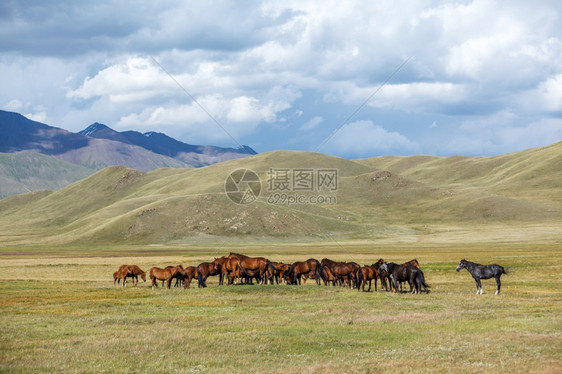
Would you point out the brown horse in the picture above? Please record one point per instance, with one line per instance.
(254, 265)
(190, 273)
(133, 271)
(207, 269)
(120, 275)
(231, 270)
(343, 272)
(276, 270)
(165, 274)
(367, 273)
(299, 268)
(383, 274)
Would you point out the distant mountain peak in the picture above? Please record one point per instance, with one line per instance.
(93, 128)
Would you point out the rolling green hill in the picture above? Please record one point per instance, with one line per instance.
(27, 171)
(406, 199)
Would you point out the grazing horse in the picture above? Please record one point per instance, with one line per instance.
(410, 274)
(136, 271)
(276, 270)
(343, 271)
(297, 269)
(129, 271)
(367, 273)
(483, 272)
(206, 269)
(252, 265)
(166, 274)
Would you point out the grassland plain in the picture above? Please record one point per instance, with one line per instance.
(60, 313)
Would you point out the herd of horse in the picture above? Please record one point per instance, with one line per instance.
(241, 269)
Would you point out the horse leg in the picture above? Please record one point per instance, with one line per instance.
(499, 284)
(478, 286)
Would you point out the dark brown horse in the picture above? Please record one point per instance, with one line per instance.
(383, 274)
(299, 268)
(254, 265)
(367, 273)
(413, 262)
(166, 274)
(207, 269)
(343, 272)
(409, 273)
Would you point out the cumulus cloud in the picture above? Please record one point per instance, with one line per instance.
(364, 138)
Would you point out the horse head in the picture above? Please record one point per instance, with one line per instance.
(462, 265)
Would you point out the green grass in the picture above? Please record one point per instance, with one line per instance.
(60, 313)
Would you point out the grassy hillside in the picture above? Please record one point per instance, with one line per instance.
(515, 196)
(27, 171)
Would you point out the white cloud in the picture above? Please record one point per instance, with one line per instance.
(13, 105)
(313, 123)
(547, 96)
(365, 139)
(250, 65)
(38, 116)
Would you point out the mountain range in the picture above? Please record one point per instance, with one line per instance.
(92, 149)
(413, 200)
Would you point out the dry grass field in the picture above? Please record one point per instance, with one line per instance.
(60, 313)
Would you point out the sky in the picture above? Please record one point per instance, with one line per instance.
(353, 79)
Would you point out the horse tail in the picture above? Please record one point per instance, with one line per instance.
(200, 278)
(506, 270)
(359, 279)
(422, 281)
(319, 271)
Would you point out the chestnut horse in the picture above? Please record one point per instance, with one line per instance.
(252, 265)
(299, 268)
(231, 270)
(275, 271)
(120, 275)
(343, 271)
(165, 274)
(367, 273)
(207, 269)
(190, 273)
(132, 271)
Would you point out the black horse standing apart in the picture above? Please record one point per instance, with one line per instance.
(482, 272)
